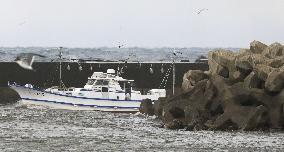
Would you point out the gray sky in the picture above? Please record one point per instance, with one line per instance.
(142, 23)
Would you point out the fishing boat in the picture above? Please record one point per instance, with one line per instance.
(102, 92)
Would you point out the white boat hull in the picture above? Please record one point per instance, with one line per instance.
(59, 101)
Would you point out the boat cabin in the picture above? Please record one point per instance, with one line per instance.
(108, 86)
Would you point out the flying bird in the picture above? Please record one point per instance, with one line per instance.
(175, 53)
(22, 23)
(25, 60)
(120, 46)
(201, 10)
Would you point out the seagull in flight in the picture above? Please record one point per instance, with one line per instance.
(25, 60)
(175, 53)
(201, 10)
(22, 23)
(120, 46)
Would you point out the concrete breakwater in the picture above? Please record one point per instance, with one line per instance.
(46, 74)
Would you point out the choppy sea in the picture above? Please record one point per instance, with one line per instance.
(33, 128)
(114, 54)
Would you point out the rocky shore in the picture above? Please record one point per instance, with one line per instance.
(241, 91)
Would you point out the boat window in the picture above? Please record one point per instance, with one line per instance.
(104, 89)
(85, 90)
(105, 82)
(99, 82)
(90, 82)
(104, 75)
(70, 89)
(62, 89)
(102, 82)
(126, 84)
(111, 76)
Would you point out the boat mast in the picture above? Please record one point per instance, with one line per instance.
(174, 76)
(60, 67)
(175, 53)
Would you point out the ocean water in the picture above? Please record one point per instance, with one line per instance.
(114, 54)
(36, 128)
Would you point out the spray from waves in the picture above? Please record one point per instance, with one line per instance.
(20, 105)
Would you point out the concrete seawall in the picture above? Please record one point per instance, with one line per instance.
(46, 74)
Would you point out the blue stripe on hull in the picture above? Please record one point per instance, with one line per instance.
(83, 105)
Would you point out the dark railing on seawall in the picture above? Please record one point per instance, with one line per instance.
(46, 74)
